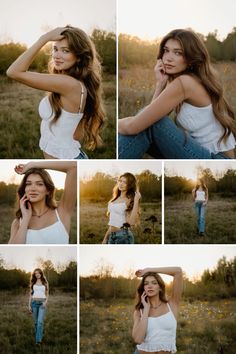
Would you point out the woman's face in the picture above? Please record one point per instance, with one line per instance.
(63, 58)
(122, 184)
(151, 286)
(37, 274)
(173, 57)
(35, 188)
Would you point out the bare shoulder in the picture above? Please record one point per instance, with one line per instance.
(136, 314)
(188, 80)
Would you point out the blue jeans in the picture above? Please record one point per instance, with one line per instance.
(164, 139)
(200, 212)
(123, 236)
(38, 311)
(82, 156)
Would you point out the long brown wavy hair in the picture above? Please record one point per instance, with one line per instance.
(87, 69)
(33, 280)
(132, 186)
(140, 290)
(200, 183)
(50, 201)
(198, 60)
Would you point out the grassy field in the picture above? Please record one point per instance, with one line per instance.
(203, 327)
(8, 214)
(181, 221)
(136, 86)
(20, 122)
(93, 223)
(17, 328)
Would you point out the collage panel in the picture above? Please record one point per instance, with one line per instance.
(120, 202)
(38, 294)
(178, 286)
(38, 202)
(177, 80)
(200, 202)
(58, 80)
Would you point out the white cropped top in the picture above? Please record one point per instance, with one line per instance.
(200, 196)
(57, 138)
(202, 125)
(160, 334)
(53, 234)
(39, 291)
(117, 215)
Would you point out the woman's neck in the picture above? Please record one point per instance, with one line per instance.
(39, 208)
(155, 301)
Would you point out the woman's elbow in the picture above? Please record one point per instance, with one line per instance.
(11, 73)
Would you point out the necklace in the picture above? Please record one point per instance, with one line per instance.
(39, 216)
(156, 307)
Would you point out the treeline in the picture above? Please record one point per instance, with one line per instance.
(104, 41)
(224, 185)
(8, 194)
(134, 51)
(99, 187)
(213, 284)
(16, 279)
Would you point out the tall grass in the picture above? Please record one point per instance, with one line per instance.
(17, 327)
(203, 327)
(181, 221)
(93, 223)
(20, 121)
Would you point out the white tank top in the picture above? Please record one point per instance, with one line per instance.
(117, 214)
(200, 196)
(39, 291)
(160, 334)
(57, 138)
(53, 234)
(202, 125)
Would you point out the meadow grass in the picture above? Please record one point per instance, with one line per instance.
(93, 223)
(20, 121)
(203, 327)
(17, 327)
(181, 222)
(137, 85)
(8, 215)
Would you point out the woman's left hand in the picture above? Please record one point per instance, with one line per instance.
(141, 272)
(20, 169)
(137, 195)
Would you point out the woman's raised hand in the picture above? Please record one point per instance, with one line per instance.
(161, 76)
(25, 208)
(55, 34)
(20, 169)
(137, 195)
(140, 272)
(145, 301)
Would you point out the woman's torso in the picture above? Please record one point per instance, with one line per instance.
(55, 233)
(200, 195)
(117, 213)
(57, 138)
(202, 125)
(39, 291)
(160, 333)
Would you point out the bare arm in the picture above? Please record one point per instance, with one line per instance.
(161, 78)
(132, 217)
(48, 82)
(105, 239)
(141, 321)
(169, 98)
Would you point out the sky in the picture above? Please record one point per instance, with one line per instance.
(117, 167)
(25, 20)
(188, 169)
(8, 175)
(152, 19)
(25, 257)
(193, 259)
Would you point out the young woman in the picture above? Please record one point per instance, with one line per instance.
(155, 317)
(72, 110)
(39, 292)
(123, 210)
(185, 82)
(200, 197)
(39, 219)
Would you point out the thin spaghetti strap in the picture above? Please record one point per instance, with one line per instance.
(81, 96)
(58, 217)
(168, 307)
